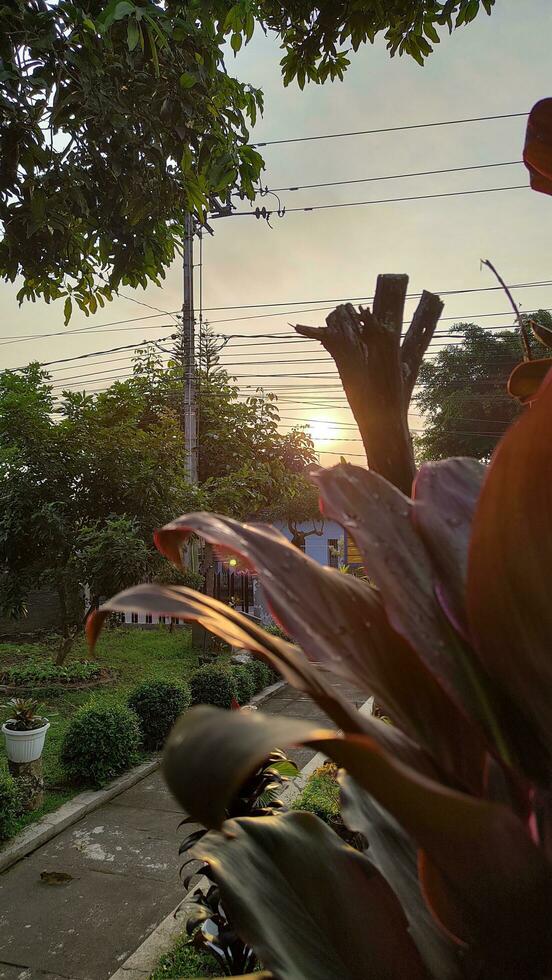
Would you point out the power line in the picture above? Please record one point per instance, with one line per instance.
(388, 200)
(367, 180)
(111, 350)
(391, 129)
(359, 299)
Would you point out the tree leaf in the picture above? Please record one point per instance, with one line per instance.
(123, 9)
(339, 918)
(445, 496)
(133, 34)
(67, 310)
(526, 379)
(187, 80)
(509, 606)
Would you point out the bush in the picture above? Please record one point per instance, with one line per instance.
(42, 671)
(183, 960)
(321, 794)
(213, 685)
(158, 704)
(261, 674)
(10, 805)
(100, 742)
(244, 683)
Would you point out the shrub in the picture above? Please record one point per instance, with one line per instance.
(10, 805)
(212, 685)
(244, 683)
(158, 704)
(100, 742)
(261, 674)
(41, 672)
(321, 794)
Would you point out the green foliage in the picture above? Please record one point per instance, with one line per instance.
(116, 119)
(321, 794)
(40, 672)
(100, 742)
(183, 960)
(158, 704)
(112, 554)
(463, 393)
(212, 685)
(243, 682)
(24, 714)
(261, 674)
(317, 37)
(10, 805)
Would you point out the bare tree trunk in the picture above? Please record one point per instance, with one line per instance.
(378, 373)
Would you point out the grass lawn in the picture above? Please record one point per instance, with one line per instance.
(137, 655)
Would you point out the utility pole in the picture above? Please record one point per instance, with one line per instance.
(189, 406)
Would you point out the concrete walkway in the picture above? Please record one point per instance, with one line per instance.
(122, 865)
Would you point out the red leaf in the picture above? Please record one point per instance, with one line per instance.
(526, 379)
(445, 496)
(339, 622)
(509, 603)
(537, 152)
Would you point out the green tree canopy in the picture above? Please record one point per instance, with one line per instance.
(463, 392)
(86, 479)
(117, 117)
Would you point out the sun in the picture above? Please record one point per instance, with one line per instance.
(322, 430)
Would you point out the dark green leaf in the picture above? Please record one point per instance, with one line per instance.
(133, 34)
(306, 918)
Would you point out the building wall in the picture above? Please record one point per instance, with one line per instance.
(43, 613)
(316, 547)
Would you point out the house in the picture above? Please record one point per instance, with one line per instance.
(321, 540)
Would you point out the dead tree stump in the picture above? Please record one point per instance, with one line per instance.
(379, 372)
(30, 782)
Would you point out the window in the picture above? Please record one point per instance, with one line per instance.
(333, 552)
(134, 617)
(149, 619)
(121, 618)
(174, 619)
(161, 619)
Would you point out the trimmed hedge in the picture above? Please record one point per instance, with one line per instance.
(321, 794)
(10, 805)
(213, 685)
(158, 704)
(244, 683)
(100, 742)
(261, 674)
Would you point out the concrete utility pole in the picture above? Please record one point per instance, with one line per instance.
(189, 406)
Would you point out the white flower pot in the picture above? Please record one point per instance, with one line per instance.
(25, 746)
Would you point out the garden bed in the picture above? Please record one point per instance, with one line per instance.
(133, 656)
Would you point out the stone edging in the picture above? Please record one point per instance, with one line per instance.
(53, 823)
(143, 961)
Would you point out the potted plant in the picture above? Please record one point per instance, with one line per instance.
(25, 731)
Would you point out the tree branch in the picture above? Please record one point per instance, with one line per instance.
(417, 338)
(377, 374)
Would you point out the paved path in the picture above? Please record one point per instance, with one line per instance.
(124, 867)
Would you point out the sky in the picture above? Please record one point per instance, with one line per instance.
(498, 64)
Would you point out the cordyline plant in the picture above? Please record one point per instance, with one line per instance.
(454, 641)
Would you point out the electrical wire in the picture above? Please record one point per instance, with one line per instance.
(367, 180)
(391, 129)
(387, 200)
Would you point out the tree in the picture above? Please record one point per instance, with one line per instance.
(117, 118)
(87, 479)
(463, 392)
(101, 473)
